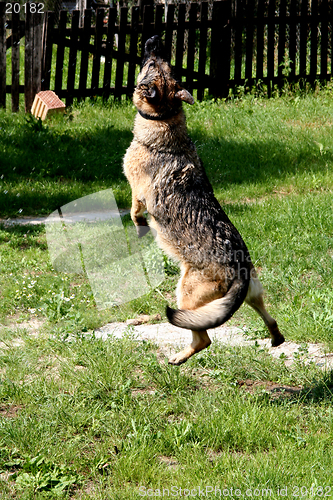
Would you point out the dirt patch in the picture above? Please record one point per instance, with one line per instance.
(9, 411)
(276, 390)
(146, 390)
(32, 325)
(169, 462)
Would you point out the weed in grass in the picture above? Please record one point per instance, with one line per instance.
(37, 474)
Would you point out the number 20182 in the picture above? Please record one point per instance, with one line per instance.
(16, 8)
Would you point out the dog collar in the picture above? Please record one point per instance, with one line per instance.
(164, 116)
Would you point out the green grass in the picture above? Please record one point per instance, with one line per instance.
(86, 418)
(99, 419)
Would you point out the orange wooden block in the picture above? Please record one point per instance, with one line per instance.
(46, 103)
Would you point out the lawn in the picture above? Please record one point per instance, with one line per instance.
(86, 418)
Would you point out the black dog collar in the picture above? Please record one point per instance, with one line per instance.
(164, 116)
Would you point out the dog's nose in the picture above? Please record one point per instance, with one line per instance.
(154, 38)
(153, 44)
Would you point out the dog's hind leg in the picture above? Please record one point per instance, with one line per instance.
(200, 340)
(255, 299)
(190, 295)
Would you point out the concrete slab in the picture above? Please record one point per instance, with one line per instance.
(171, 339)
(82, 216)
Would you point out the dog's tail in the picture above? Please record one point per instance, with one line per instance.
(213, 314)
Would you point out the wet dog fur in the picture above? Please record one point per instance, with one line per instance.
(168, 180)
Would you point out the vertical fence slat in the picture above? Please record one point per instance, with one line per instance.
(159, 9)
(147, 31)
(97, 49)
(282, 41)
(303, 39)
(238, 31)
(271, 46)
(324, 39)
(109, 52)
(331, 47)
(37, 53)
(292, 38)
(220, 50)
(28, 61)
(72, 56)
(249, 42)
(60, 53)
(46, 74)
(260, 42)
(169, 31)
(133, 50)
(84, 46)
(121, 51)
(191, 46)
(15, 61)
(202, 50)
(180, 40)
(314, 40)
(2, 54)
(33, 57)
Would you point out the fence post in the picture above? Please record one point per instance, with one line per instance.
(191, 46)
(282, 41)
(303, 39)
(72, 56)
(270, 47)
(33, 57)
(15, 61)
(85, 42)
(100, 13)
(314, 41)
(133, 51)
(180, 40)
(47, 50)
(324, 39)
(2, 55)
(60, 53)
(202, 50)
(121, 52)
(220, 49)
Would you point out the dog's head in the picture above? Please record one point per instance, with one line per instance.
(158, 95)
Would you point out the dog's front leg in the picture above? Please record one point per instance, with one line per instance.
(137, 217)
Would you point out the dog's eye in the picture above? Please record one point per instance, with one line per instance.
(151, 64)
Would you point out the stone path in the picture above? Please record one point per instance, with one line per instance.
(171, 339)
(86, 216)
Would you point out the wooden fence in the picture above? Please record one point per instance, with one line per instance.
(212, 51)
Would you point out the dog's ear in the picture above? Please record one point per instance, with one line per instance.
(185, 96)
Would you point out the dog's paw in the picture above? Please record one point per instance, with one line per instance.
(177, 360)
(182, 356)
(278, 340)
(142, 231)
